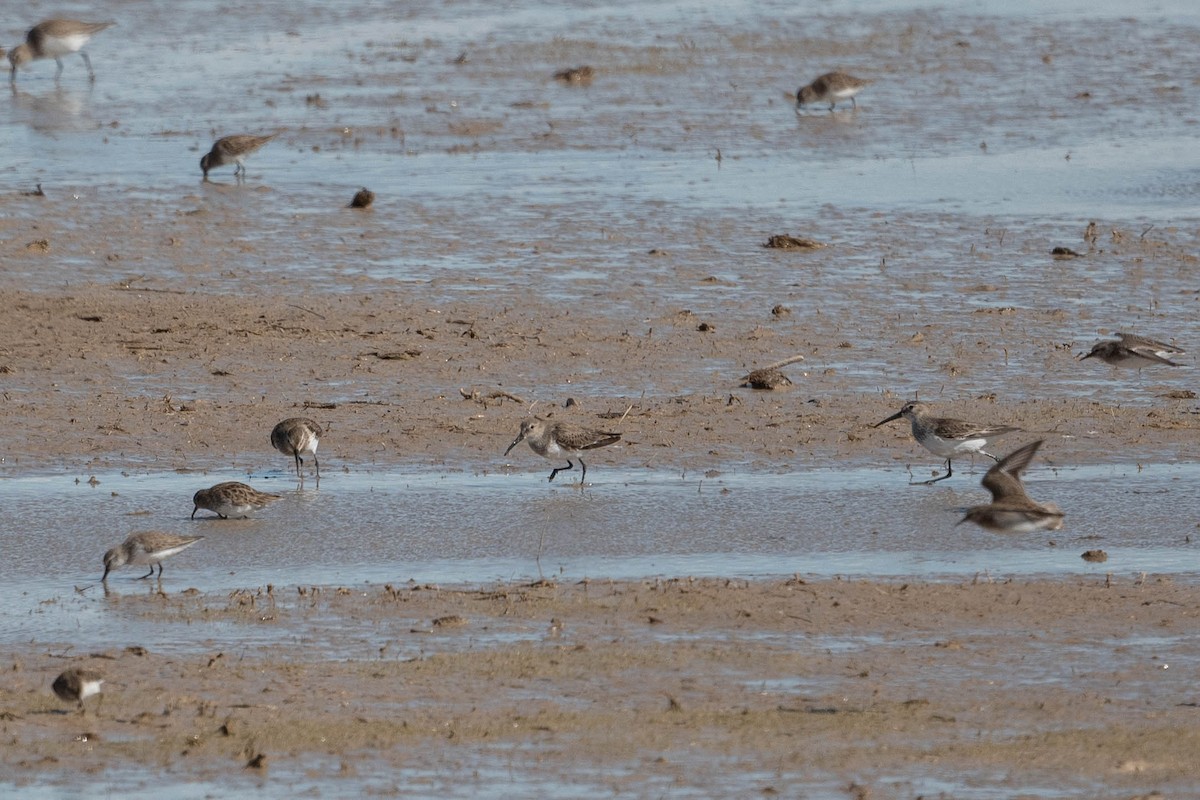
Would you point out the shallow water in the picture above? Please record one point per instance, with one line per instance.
(359, 530)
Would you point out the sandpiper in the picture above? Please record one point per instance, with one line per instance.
(1011, 509)
(232, 499)
(147, 547)
(947, 437)
(1131, 350)
(295, 437)
(233, 150)
(76, 684)
(55, 38)
(831, 87)
(561, 440)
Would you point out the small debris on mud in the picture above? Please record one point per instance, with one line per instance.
(581, 74)
(767, 379)
(1064, 252)
(782, 241)
(1095, 556)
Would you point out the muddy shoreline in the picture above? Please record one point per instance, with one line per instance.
(887, 686)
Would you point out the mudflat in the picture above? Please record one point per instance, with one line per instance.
(696, 687)
(1007, 192)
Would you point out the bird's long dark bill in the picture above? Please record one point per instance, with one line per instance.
(897, 415)
(516, 442)
(194, 510)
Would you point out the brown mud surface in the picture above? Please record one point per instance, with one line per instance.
(878, 686)
(107, 377)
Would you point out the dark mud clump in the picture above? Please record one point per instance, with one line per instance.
(583, 74)
(782, 241)
(766, 379)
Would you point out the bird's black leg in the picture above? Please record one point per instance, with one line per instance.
(582, 477)
(299, 464)
(560, 469)
(58, 74)
(148, 574)
(317, 466)
(949, 472)
(88, 61)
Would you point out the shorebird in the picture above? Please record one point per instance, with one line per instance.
(55, 38)
(947, 437)
(552, 440)
(76, 684)
(1131, 350)
(831, 87)
(1011, 509)
(231, 499)
(233, 150)
(296, 437)
(147, 547)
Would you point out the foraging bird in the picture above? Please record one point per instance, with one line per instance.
(295, 437)
(76, 684)
(947, 437)
(561, 440)
(831, 87)
(1011, 509)
(1131, 350)
(231, 499)
(233, 150)
(55, 38)
(147, 547)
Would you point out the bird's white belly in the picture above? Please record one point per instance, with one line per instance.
(89, 688)
(952, 447)
(54, 46)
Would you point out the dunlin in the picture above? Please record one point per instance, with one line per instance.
(1131, 350)
(232, 499)
(77, 684)
(552, 440)
(55, 38)
(147, 547)
(233, 150)
(1011, 509)
(831, 87)
(947, 437)
(296, 437)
